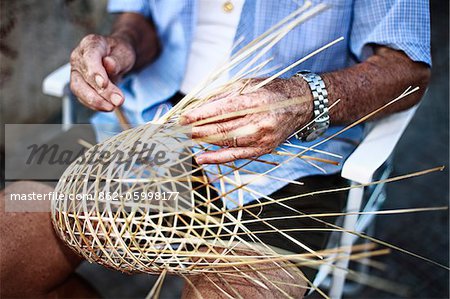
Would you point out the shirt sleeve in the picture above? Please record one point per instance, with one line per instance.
(137, 6)
(399, 24)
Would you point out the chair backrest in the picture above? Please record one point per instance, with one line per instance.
(56, 81)
(377, 146)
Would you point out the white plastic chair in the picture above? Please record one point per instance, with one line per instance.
(359, 168)
(56, 84)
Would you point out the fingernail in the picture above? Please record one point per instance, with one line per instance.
(183, 120)
(99, 81)
(199, 160)
(116, 99)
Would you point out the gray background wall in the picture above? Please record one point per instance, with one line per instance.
(37, 37)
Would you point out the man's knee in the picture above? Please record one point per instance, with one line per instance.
(258, 280)
(33, 259)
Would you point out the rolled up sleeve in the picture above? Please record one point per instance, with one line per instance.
(137, 6)
(398, 24)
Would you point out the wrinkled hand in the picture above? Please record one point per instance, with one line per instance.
(287, 105)
(96, 64)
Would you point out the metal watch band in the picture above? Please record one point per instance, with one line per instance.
(320, 102)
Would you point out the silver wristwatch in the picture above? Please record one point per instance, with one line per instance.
(320, 100)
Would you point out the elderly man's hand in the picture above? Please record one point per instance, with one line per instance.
(268, 117)
(96, 64)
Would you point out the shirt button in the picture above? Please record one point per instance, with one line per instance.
(228, 6)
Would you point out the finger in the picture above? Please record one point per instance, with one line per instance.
(119, 60)
(232, 133)
(87, 60)
(230, 154)
(96, 76)
(112, 94)
(225, 107)
(87, 95)
(219, 130)
(92, 50)
(112, 68)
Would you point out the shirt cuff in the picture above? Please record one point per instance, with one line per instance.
(415, 51)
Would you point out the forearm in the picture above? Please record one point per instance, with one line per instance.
(369, 85)
(141, 34)
(362, 89)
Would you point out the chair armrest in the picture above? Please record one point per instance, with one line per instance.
(54, 84)
(376, 147)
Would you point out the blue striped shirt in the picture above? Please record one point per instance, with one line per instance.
(399, 24)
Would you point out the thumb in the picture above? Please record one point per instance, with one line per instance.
(119, 60)
(112, 68)
(111, 65)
